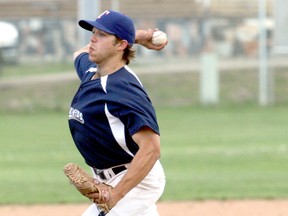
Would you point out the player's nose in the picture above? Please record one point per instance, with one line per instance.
(93, 38)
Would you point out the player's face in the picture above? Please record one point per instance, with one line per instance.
(102, 46)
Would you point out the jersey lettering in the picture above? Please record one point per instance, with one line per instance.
(76, 115)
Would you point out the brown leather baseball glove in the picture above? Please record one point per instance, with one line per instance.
(86, 185)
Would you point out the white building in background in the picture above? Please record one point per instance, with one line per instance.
(9, 39)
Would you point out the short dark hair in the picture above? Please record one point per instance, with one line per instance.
(129, 54)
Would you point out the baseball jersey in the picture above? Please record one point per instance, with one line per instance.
(106, 112)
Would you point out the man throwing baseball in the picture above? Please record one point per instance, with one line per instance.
(112, 120)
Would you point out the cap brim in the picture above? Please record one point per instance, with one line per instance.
(88, 25)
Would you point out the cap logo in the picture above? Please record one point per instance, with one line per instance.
(104, 13)
(112, 22)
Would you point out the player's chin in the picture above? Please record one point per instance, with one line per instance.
(92, 58)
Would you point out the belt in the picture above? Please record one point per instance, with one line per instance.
(106, 174)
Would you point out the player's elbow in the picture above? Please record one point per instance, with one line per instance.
(76, 54)
(151, 150)
(155, 151)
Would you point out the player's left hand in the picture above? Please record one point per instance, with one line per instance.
(144, 38)
(105, 196)
(98, 192)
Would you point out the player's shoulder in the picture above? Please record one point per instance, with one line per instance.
(128, 75)
(83, 65)
(124, 81)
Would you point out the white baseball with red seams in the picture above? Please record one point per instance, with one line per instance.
(159, 38)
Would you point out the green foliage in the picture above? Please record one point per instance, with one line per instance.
(207, 153)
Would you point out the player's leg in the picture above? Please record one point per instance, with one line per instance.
(92, 210)
(141, 199)
(151, 211)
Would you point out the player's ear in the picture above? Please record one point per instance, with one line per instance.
(123, 44)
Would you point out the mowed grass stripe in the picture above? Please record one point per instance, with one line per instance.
(207, 153)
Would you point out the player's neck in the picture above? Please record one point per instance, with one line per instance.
(107, 69)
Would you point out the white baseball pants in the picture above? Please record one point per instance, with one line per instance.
(141, 200)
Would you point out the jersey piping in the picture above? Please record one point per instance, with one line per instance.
(117, 128)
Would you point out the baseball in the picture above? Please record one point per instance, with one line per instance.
(159, 38)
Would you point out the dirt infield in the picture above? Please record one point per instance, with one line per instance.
(204, 208)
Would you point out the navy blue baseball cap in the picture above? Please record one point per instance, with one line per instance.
(114, 23)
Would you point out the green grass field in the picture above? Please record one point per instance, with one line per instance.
(229, 152)
(235, 150)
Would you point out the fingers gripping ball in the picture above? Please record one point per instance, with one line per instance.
(159, 38)
(86, 185)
